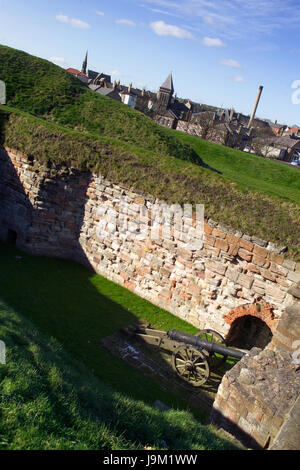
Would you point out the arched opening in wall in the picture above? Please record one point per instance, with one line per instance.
(249, 331)
(11, 237)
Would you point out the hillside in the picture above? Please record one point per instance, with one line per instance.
(41, 88)
(248, 170)
(70, 125)
(267, 209)
(49, 401)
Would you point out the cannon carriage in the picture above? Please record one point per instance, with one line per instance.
(193, 357)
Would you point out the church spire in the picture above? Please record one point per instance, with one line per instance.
(84, 65)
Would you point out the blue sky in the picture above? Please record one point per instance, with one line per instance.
(219, 51)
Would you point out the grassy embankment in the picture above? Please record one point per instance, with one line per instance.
(49, 400)
(80, 128)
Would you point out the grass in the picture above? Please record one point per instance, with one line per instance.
(270, 217)
(49, 401)
(71, 125)
(79, 308)
(43, 89)
(248, 171)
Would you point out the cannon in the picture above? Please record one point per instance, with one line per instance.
(193, 356)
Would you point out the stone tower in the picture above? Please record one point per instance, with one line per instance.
(165, 93)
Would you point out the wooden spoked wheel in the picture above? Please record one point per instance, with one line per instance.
(191, 365)
(215, 360)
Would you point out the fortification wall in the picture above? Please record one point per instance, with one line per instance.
(70, 214)
(67, 213)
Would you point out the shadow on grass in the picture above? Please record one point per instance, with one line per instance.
(63, 298)
(75, 410)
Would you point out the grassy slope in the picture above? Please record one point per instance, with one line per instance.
(49, 401)
(79, 308)
(248, 171)
(254, 212)
(39, 87)
(251, 194)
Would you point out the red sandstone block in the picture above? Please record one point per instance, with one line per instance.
(209, 240)
(139, 200)
(124, 275)
(221, 244)
(207, 229)
(96, 260)
(268, 275)
(130, 285)
(278, 259)
(233, 239)
(262, 252)
(244, 254)
(233, 250)
(219, 233)
(253, 268)
(259, 261)
(246, 244)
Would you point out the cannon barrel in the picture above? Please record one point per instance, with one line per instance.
(200, 343)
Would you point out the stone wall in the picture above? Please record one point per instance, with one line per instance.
(55, 211)
(255, 397)
(66, 213)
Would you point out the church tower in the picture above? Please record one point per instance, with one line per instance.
(84, 65)
(165, 93)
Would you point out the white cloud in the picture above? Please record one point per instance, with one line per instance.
(62, 18)
(73, 22)
(236, 18)
(239, 79)
(127, 22)
(58, 61)
(100, 13)
(230, 63)
(162, 29)
(213, 42)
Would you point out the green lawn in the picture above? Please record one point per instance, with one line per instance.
(49, 401)
(78, 308)
(248, 171)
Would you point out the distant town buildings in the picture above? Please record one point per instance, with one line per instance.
(222, 126)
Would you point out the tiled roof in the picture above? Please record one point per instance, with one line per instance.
(287, 141)
(75, 72)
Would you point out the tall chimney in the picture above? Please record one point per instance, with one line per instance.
(255, 106)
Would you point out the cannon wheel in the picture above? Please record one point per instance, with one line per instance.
(191, 365)
(215, 360)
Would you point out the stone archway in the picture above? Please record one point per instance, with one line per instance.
(251, 325)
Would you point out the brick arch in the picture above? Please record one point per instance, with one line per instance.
(261, 310)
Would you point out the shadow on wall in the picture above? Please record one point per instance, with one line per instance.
(45, 219)
(219, 420)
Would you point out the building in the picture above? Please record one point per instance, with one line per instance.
(168, 110)
(277, 129)
(285, 148)
(90, 77)
(81, 76)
